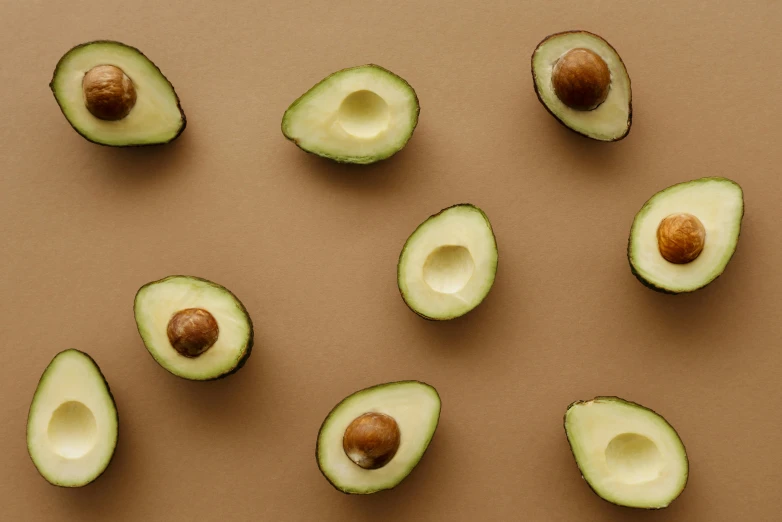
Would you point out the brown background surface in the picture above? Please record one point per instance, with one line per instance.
(311, 249)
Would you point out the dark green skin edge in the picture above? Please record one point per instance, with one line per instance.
(399, 270)
(662, 290)
(111, 396)
(343, 160)
(250, 341)
(335, 408)
(615, 398)
(540, 98)
(178, 103)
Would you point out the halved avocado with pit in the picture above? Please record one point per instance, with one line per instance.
(581, 80)
(628, 454)
(194, 328)
(374, 438)
(113, 95)
(358, 115)
(684, 236)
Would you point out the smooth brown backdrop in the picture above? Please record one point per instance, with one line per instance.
(311, 248)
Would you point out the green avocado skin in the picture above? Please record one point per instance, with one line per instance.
(647, 284)
(619, 399)
(557, 118)
(250, 341)
(335, 408)
(86, 137)
(114, 402)
(341, 159)
(399, 265)
(663, 290)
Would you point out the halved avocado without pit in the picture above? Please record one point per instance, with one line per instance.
(194, 328)
(358, 115)
(448, 264)
(113, 95)
(374, 438)
(581, 80)
(628, 454)
(72, 426)
(684, 236)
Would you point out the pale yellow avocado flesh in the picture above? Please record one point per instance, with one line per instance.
(414, 406)
(628, 454)
(155, 118)
(72, 426)
(157, 302)
(610, 121)
(719, 205)
(448, 265)
(358, 115)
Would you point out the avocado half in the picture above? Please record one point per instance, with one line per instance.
(112, 94)
(715, 205)
(611, 119)
(412, 406)
(194, 328)
(72, 425)
(448, 264)
(357, 115)
(628, 454)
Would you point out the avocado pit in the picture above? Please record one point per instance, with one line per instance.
(680, 238)
(192, 331)
(109, 93)
(581, 79)
(371, 440)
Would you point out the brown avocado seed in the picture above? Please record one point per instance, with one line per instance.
(680, 238)
(108, 92)
(192, 331)
(371, 440)
(581, 79)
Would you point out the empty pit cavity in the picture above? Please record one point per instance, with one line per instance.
(448, 269)
(363, 114)
(633, 458)
(72, 430)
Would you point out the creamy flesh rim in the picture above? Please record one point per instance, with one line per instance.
(608, 121)
(414, 406)
(157, 302)
(360, 114)
(719, 205)
(72, 427)
(448, 264)
(628, 454)
(155, 117)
